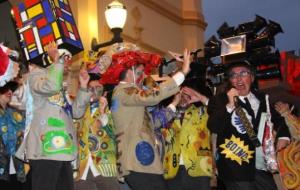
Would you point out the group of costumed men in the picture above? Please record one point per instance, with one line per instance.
(134, 135)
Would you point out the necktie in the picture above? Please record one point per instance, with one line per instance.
(249, 108)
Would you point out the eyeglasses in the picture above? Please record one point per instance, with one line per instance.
(241, 74)
(95, 89)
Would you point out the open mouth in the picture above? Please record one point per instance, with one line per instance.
(240, 86)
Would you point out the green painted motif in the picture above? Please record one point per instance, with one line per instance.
(54, 122)
(57, 142)
(56, 76)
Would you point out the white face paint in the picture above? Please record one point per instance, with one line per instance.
(103, 63)
(138, 75)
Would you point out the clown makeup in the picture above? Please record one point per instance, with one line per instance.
(138, 75)
(104, 63)
(96, 89)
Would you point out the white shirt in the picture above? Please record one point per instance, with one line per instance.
(254, 102)
(12, 169)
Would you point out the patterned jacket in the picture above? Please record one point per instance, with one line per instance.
(137, 148)
(51, 134)
(99, 141)
(191, 140)
(12, 124)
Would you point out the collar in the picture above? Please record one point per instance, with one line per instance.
(126, 84)
(249, 96)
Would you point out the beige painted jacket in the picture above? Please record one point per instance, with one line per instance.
(49, 132)
(135, 134)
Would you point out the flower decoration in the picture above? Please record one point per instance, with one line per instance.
(126, 60)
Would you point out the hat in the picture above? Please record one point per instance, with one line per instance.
(99, 61)
(244, 63)
(8, 68)
(94, 76)
(12, 85)
(127, 59)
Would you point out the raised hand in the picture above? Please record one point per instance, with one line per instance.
(84, 78)
(282, 108)
(103, 103)
(231, 94)
(185, 60)
(52, 51)
(195, 96)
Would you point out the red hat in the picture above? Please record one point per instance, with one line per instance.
(126, 60)
(8, 68)
(3, 62)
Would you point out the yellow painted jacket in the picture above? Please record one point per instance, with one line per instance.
(191, 140)
(99, 141)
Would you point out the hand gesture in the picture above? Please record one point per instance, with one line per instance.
(84, 78)
(281, 144)
(282, 108)
(185, 61)
(103, 103)
(52, 51)
(231, 94)
(195, 96)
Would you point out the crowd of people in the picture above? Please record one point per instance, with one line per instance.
(160, 135)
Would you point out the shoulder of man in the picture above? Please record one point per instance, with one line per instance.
(258, 94)
(131, 90)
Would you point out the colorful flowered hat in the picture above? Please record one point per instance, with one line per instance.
(127, 59)
(99, 62)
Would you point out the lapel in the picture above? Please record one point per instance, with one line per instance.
(261, 108)
(91, 119)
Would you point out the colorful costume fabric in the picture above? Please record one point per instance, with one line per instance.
(137, 148)
(287, 158)
(97, 140)
(289, 166)
(12, 125)
(50, 134)
(191, 141)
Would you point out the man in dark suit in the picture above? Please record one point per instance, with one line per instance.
(240, 158)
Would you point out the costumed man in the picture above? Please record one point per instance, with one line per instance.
(188, 156)
(242, 119)
(138, 159)
(12, 125)
(96, 143)
(50, 142)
